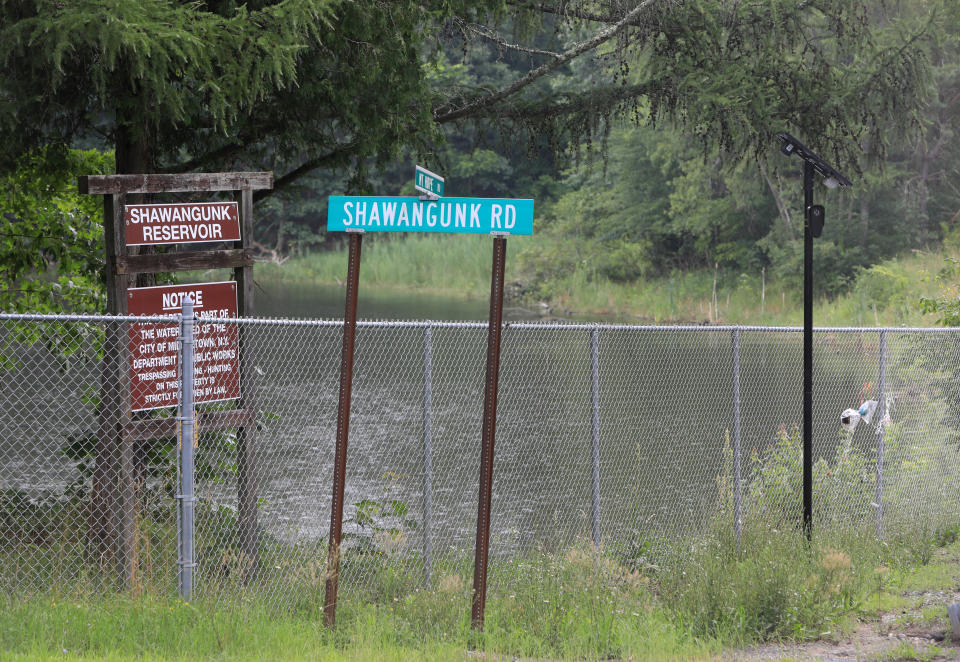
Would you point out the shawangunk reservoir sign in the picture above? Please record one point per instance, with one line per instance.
(195, 222)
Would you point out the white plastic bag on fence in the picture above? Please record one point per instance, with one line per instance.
(850, 418)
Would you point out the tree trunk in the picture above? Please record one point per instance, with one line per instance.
(120, 469)
(864, 219)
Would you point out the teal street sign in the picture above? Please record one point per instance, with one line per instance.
(428, 182)
(451, 215)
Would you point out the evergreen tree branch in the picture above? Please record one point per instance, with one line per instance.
(336, 156)
(215, 156)
(491, 36)
(565, 11)
(596, 100)
(442, 114)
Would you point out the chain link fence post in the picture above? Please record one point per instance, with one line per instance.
(737, 495)
(187, 433)
(427, 455)
(595, 446)
(882, 413)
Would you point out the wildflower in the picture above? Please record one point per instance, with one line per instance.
(835, 560)
(451, 584)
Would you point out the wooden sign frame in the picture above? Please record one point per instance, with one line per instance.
(111, 535)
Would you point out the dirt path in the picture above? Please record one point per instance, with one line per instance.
(918, 628)
(866, 643)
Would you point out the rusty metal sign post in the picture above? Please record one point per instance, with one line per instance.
(431, 213)
(343, 428)
(494, 330)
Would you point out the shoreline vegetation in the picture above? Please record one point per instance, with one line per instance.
(886, 294)
(705, 602)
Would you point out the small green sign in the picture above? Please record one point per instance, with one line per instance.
(428, 182)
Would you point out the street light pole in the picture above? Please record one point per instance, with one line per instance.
(813, 218)
(807, 350)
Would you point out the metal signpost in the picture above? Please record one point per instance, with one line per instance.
(360, 214)
(187, 444)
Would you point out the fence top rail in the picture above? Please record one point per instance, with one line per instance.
(432, 324)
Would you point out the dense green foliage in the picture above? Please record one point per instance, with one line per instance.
(680, 100)
(51, 237)
(182, 85)
(665, 204)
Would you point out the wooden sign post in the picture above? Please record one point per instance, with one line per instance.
(111, 534)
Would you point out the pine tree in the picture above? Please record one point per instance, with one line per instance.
(297, 85)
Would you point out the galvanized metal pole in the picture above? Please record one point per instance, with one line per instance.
(246, 438)
(343, 428)
(595, 446)
(737, 486)
(489, 429)
(881, 429)
(807, 351)
(187, 433)
(427, 455)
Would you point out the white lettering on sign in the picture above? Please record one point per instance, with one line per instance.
(389, 212)
(179, 233)
(174, 300)
(439, 215)
(154, 346)
(172, 214)
(181, 223)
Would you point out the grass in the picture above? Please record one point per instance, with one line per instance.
(564, 625)
(885, 294)
(659, 597)
(444, 265)
(689, 601)
(908, 651)
(157, 629)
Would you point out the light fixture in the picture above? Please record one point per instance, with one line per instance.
(813, 218)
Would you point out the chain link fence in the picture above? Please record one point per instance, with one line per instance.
(616, 435)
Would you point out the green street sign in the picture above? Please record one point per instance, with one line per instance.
(497, 216)
(428, 182)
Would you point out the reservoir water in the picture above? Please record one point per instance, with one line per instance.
(659, 408)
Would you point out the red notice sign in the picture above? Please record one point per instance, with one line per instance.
(186, 223)
(154, 362)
